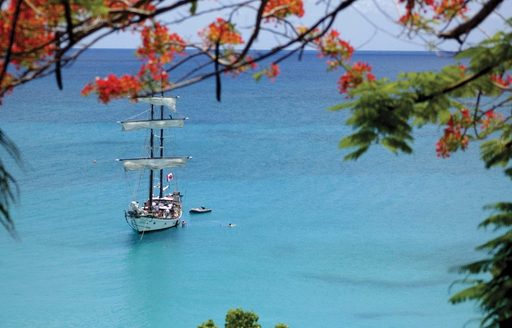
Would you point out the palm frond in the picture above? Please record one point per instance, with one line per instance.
(9, 190)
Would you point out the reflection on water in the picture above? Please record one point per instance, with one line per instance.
(151, 276)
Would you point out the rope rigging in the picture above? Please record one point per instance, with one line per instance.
(139, 114)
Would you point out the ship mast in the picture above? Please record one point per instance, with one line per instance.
(151, 156)
(161, 150)
(155, 161)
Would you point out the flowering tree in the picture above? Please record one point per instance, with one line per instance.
(39, 38)
(473, 103)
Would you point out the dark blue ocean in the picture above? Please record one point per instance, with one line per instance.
(318, 242)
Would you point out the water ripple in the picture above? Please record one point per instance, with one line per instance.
(374, 282)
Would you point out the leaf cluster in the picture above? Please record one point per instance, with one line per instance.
(494, 296)
(385, 111)
(238, 318)
(8, 185)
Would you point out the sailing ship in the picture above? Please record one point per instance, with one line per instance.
(160, 211)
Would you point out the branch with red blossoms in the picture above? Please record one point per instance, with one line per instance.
(224, 34)
(425, 14)
(484, 121)
(280, 9)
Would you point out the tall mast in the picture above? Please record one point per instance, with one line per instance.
(161, 151)
(151, 156)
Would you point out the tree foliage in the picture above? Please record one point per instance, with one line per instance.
(494, 295)
(8, 184)
(238, 318)
(472, 102)
(385, 112)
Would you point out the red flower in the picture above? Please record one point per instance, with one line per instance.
(430, 10)
(157, 42)
(112, 87)
(450, 8)
(454, 136)
(466, 117)
(244, 65)
(491, 119)
(354, 76)
(283, 8)
(331, 45)
(221, 32)
(273, 71)
(501, 80)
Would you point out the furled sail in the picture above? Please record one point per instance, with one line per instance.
(160, 101)
(152, 124)
(153, 163)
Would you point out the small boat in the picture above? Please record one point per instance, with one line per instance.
(200, 210)
(161, 210)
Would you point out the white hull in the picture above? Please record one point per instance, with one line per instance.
(145, 224)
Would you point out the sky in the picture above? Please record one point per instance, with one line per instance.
(367, 25)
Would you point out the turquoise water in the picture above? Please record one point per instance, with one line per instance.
(318, 242)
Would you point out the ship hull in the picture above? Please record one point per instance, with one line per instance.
(148, 223)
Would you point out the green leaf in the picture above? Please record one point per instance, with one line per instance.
(496, 152)
(395, 145)
(363, 137)
(8, 185)
(97, 7)
(508, 172)
(239, 318)
(444, 116)
(257, 76)
(340, 106)
(476, 267)
(501, 206)
(505, 239)
(470, 293)
(208, 324)
(356, 154)
(498, 220)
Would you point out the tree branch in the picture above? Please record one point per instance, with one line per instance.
(218, 86)
(469, 25)
(329, 18)
(69, 21)
(457, 85)
(58, 58)
(256, 31)
(12, 36)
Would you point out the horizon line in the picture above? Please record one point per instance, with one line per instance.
(314, 50)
